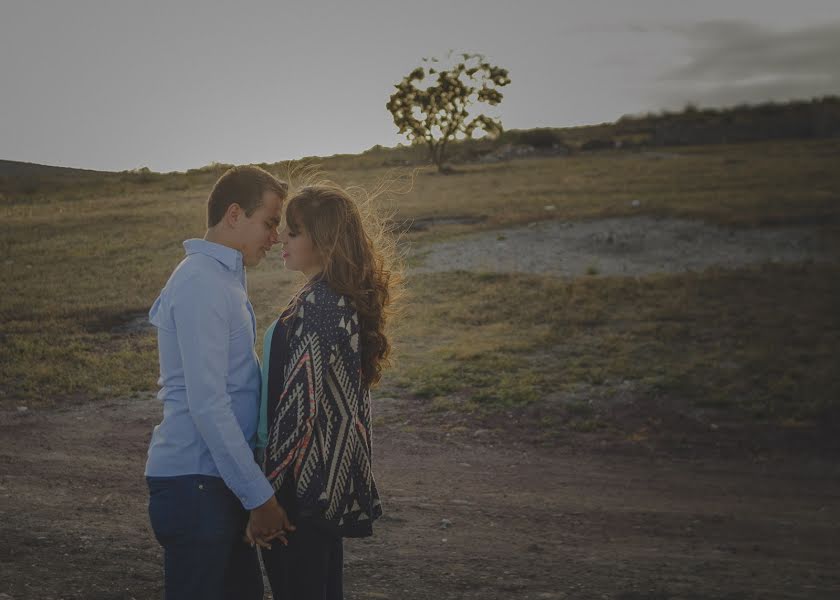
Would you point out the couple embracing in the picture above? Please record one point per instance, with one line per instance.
(272, 457)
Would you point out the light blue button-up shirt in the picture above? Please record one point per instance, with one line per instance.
(209, 374)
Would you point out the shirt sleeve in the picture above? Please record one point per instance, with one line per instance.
(202, 322)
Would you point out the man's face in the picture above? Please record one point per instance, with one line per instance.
(258, 233)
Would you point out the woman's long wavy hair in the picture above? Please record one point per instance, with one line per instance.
(359, 261)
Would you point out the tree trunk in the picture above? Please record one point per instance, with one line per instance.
(437, 152)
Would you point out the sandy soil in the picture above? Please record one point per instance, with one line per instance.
(576, 520)
(620, 246)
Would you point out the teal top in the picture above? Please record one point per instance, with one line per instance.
(262, 424)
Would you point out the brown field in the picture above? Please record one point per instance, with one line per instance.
(672, 435)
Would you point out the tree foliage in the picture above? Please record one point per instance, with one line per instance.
(431, 105)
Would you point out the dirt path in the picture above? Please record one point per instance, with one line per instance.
(526, 522)
(620, 246)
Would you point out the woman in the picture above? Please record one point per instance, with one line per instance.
(321, 357)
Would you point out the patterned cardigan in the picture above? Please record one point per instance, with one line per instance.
(319, 419)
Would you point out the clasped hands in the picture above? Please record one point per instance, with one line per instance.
(268, 522)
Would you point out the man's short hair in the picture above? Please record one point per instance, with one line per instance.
(243, 185)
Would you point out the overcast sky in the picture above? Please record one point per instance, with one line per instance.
(178, 84)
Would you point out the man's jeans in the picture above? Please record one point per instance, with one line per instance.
(200, 524)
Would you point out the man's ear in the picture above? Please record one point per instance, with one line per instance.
(233, 214)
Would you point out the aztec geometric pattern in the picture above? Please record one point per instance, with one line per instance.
(319, 412)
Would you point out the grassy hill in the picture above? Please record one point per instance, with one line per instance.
(803, 119)
(85, 253)
(13, 168)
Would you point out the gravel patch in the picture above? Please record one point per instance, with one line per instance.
(619, 246)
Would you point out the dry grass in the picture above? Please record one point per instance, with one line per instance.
(734, 340)
(84, 257)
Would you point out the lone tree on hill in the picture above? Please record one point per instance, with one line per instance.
(431, 105)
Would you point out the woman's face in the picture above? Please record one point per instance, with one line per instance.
(299, 253)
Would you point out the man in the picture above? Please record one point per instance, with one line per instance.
(201, 471)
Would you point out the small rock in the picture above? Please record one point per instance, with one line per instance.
(21, 409)
(635, 203)
(443, 540)
(445, 523)
(480, 432)
(550, 207)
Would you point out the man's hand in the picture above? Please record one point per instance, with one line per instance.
(268, 522)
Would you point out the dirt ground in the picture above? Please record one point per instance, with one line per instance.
(488, 510)
(629, 246)
(476, 513)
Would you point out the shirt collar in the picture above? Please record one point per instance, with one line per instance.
(230, 258)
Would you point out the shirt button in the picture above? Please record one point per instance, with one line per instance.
(201, 486)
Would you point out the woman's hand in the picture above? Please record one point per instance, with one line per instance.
(263, 542)
(266, 523)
